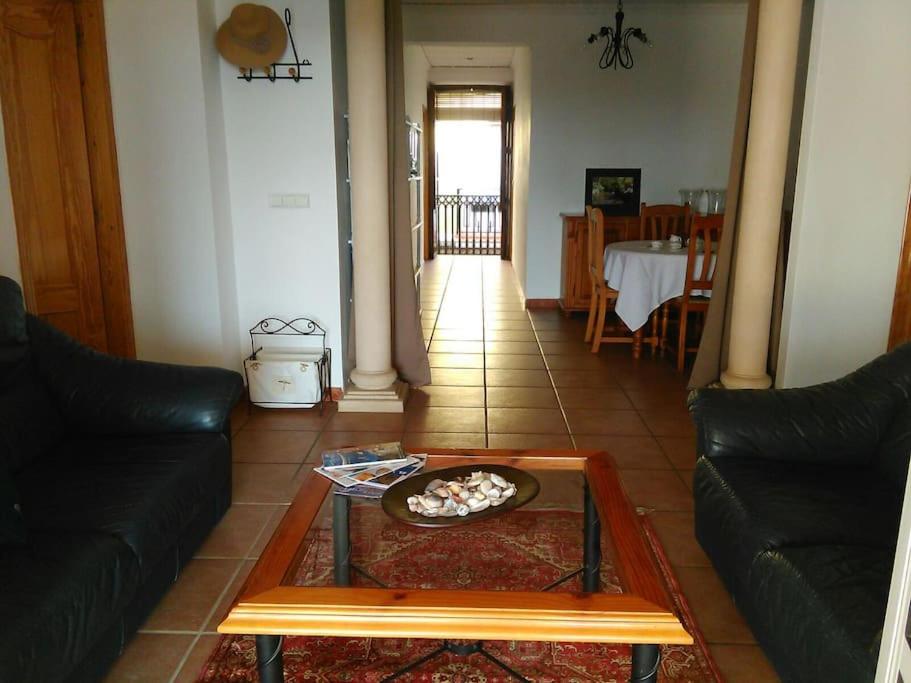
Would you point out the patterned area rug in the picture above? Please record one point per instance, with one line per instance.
(524, 550)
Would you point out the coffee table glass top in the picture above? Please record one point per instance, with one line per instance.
(571, 565)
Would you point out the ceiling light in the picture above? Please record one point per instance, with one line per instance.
(616, 52)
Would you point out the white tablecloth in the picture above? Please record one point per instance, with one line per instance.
(645, 278)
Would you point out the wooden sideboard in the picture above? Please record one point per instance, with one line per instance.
(577, 287)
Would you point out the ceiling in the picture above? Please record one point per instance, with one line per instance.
(469, 55)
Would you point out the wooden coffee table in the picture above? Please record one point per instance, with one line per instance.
(270, 606)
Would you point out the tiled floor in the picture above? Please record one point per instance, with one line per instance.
(502, 377)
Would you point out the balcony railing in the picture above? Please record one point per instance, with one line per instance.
(467, 224)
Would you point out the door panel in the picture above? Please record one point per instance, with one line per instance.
(49, 170)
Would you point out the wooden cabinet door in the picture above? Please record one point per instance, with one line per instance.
(49, 168)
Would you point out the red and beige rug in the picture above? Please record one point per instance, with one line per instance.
(524, 550)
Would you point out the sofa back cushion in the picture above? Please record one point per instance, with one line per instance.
(894, 451)
(13, 334)
(30, 423)
(12, 524)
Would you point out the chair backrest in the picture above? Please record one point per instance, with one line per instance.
(660, 221)
(595, 245)
(699, 271)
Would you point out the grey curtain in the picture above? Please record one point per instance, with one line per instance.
(713, 348)
(409, 354)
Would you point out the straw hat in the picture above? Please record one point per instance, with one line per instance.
(253, 36)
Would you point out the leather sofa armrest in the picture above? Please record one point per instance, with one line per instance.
(102, 394)
(840, 422)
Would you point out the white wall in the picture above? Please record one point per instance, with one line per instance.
(521, 90)
(9, 247)
(416, 72)
(672, 115)
(280, 139)
(852, 191)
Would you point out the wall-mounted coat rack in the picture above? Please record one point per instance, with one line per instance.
(273, 72)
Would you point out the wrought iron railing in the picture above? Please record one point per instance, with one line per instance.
(467, 224)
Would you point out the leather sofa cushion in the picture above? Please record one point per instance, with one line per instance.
(59, 594)
(142, 490)
(30, 424)
(766, 504)
(12, 525)
(823, 608)
(895, 449)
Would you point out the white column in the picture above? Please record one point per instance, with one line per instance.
(375, 388)
(761, 197)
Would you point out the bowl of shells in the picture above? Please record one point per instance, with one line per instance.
(459, 495)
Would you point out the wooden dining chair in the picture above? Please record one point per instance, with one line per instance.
(699, 277)
(603, 297)
(660, 221)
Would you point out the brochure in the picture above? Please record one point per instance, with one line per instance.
(357, 457)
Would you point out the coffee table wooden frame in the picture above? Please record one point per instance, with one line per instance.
(641, 616)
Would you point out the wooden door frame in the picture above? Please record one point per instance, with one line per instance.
(898, 331)
(430, 162)
(104, 180)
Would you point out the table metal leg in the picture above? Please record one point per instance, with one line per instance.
(591, 549)
(341, 540)
(269, 659)
(646, 659)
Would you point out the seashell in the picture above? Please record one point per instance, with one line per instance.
(435, 484)
(431, 512)
(447, 512)
(478, 505)
(498, 480)
(508, 493)
(494, 493)
(412, 500)
(496, 501)
(431, 501)
(450, 504)
(442, 492)
(477, 495)
(454, 487)
(485, 486)
(463, 510)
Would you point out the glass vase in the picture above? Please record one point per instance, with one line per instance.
(716, 201)
(691, 197)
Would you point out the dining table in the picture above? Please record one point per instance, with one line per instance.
(646, 274)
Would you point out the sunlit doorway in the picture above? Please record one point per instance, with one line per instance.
(470, 167)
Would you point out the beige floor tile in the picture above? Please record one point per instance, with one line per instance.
(150, 658)
(584, 378)
(456, 334)
(521, 397)
(518, 378)
(628, 452)
(457, 377)
(330, 440)
(657, 489)
(278, 513)
(469, 420)
(510, 335)
(576, 361)
(270, 484)
(419, 442)
(501, 346)
(273, 446)
(187, 604)
(366, 422)
(456, 360)
(613, 422)
(669, 423)
(507, 325)
(196, 660)
(443, 396)
(237, 532)
(566, 347)
(559, 441)
(743, 664)
(657, 400)
(600, 398)
(550, 335)
(678, 538)
(303, 419)
(505, 312)
(227, 599)
(680, 450)
(500, 361)
(446, 346)
(714, 610)
(525, 421)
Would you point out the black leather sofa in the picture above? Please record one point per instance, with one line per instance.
(798, 499)
(112, 472)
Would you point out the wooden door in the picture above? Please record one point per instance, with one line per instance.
(58, 212)
(507, 132)
(901, 306)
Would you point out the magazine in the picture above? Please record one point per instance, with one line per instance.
(360, 491)
(357, 457)
(382, 475)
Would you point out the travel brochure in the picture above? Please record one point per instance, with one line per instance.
(367, 471)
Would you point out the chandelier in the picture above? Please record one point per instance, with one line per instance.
(616, 52)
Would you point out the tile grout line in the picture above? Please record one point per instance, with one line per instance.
(550, 377)
(484, 361)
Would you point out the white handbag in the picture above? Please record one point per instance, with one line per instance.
(284, 378)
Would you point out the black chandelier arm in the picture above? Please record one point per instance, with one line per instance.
(610, 49)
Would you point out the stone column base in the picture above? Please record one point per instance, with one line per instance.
(731, 380)
(388, 400)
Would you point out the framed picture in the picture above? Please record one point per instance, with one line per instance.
(613, 190)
